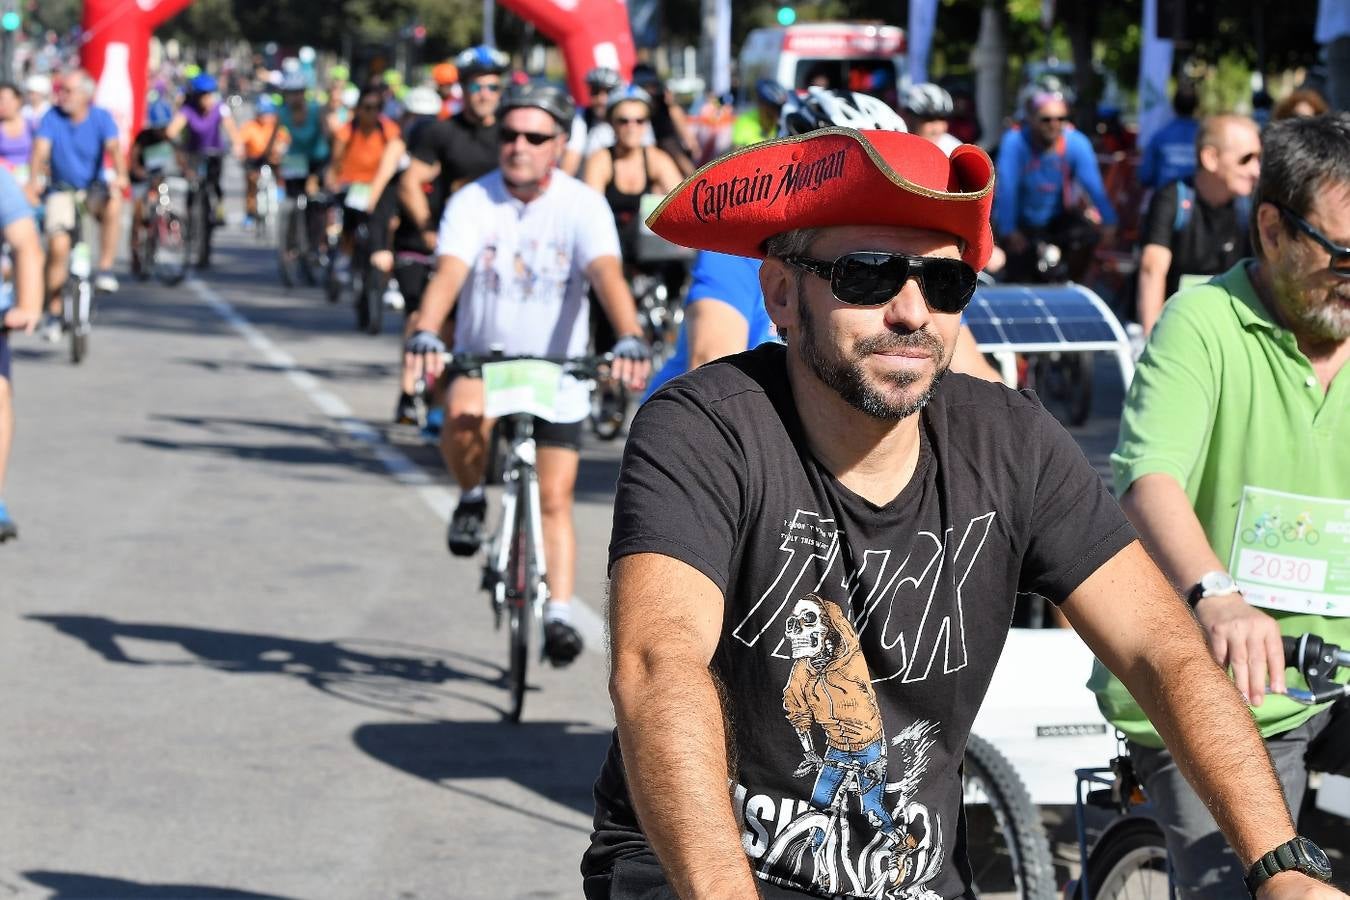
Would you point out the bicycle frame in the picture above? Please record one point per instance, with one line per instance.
(520, 485)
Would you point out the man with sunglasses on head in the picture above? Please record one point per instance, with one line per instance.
(1239, 414)
(516, 250)
(1041, 166)
(817, 548)
(1198, 228)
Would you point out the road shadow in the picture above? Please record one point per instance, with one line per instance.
(385, 675)
(72, 885)
(597, 478)
(556, 760)
(329, 370)
(314, 446)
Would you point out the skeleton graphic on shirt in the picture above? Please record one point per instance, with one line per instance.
(830, 687)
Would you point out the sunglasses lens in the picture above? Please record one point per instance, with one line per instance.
(947, 284)
(868, 278)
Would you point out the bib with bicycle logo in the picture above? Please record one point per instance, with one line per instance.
(1291, 552)
(522, 386)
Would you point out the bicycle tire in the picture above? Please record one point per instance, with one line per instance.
(1129, 862)
(290, 247)
(1312, 536)
(79, 321)
(607, 424)
(168, 238)
(372, 296)
(518, 603)
(1272, 539)
(1019, 851)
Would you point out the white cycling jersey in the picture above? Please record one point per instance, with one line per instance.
(526, 290)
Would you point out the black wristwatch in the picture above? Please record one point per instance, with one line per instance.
(1297, 855)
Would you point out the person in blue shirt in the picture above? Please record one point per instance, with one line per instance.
(73, 139)
(1170, 154)
(1041, 168)
(20, 309)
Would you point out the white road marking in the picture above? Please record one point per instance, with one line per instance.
(406, 472)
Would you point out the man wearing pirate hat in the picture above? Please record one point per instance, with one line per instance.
(817, 546)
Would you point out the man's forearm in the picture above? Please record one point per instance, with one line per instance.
(1161, 512)
(414, 201)
(673, 740)
(1208, 729)
(615, 298)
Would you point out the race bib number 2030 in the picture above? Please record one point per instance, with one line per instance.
(1292, 552)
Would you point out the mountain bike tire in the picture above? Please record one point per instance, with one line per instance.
(290, 249)
(167, 253)
(1129, 862)
(369, 284)
(1007, 845)
(518, 605)
(78, 291)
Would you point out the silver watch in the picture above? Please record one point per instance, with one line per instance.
(1212, 584)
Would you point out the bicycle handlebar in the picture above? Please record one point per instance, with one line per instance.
(583, 366)
(1317, 661)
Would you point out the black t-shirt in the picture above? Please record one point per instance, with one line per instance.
(858, 627)
(1211, 242)
(466, 151)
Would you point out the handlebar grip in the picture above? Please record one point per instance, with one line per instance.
(1290, 651)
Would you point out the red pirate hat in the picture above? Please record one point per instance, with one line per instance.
(833, 176)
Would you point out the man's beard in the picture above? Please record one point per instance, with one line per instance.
(848, 379)
(1325, 318)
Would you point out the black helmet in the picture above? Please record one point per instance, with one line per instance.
(603, 79)
(770, 92)
(481, 60)
(540, 95)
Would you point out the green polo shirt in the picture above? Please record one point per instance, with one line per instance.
(1224, 401)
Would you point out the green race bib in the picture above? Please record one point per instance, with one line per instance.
(157, 157)
(1292, 552)
(358, 197)
(294, 165)
(521, 386)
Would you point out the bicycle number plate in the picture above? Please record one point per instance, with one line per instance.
(521, 386)
(157, 156)
(294, 165)
(20, 174)
(1292, 552)
(358, 197)
(176, 185)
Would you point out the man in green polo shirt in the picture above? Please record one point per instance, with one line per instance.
(1234, 466)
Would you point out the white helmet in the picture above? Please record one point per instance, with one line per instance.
(822, 108)
(422, 101)
(928, 101)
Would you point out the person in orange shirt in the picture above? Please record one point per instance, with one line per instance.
(366, 154)
(264, 140)
(446, 77)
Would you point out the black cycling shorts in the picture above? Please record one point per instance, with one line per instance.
(565, 435)
(412, 278)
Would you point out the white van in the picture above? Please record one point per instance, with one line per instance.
(861, 57)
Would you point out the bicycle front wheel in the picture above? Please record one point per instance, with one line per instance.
(1009, 852)
(169, 253)
(518, 592)
(1129, 863)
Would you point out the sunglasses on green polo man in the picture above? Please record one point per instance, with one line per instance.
(1340, 256)
(872, 278)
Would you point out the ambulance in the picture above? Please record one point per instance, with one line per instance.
(858, 56)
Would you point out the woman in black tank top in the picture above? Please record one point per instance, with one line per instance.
(626, 171)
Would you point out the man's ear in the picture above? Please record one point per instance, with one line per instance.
(779, 283)
(1269, 227)
(1209, 158)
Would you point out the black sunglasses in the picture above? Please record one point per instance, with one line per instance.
(1049, 119)
(490, 87)
(507, 136)
(871, 278)
(1340, 256)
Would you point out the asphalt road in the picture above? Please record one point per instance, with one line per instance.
(236, 659)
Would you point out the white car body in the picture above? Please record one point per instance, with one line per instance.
(1040, 714)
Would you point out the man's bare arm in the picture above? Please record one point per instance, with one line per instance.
(714, 329)
(1142, 631)
(441, 292)
(1153, 266)
(412, 195)
(606, 276)
(665, 618)
(22, 237)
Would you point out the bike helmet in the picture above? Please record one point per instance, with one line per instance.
(540, 95)
(823, 108)
(481, 60)
(603, 79)
(627, 94)
(928, 101)
(264, 105)
(293, 82)
(444, 73)
(203, 84)
(770, 92)
(422, 101)
(158, 115)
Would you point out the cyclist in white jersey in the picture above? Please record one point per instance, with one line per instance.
(516, 250)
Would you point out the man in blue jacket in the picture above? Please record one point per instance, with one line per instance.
(1042, 167)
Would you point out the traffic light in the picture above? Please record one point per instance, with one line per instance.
(786, 15)
(11, 21)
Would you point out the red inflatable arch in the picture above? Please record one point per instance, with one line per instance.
(590, 33)
(116, 50)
